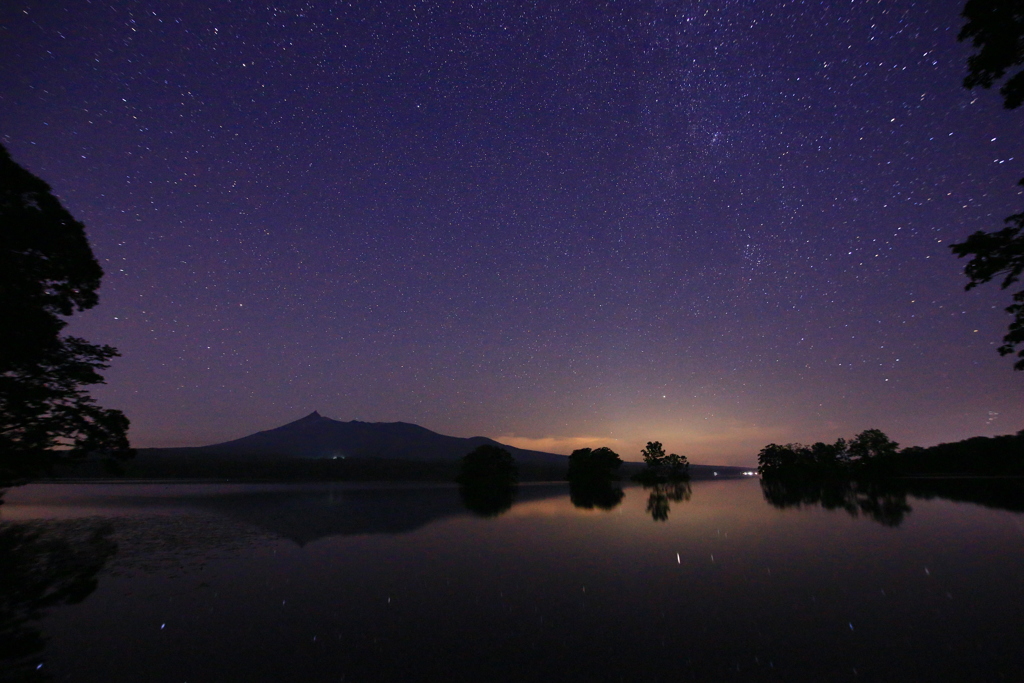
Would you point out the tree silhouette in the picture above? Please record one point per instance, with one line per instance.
(996, 30)
(870, 445)
(653, 454)
(47, 272)
(662, 467)
(593, 464)
(1000, 254)
(677, 465)
(488, 480)
(871, 448)
(488, 464)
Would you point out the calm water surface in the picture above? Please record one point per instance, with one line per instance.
(195, 583)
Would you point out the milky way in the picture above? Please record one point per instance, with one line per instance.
(714, 224)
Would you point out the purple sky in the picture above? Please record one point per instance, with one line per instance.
(714, 224)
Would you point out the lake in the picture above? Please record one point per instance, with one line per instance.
(189, 583)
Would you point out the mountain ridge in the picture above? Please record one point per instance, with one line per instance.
(317, 437)
(317, 447)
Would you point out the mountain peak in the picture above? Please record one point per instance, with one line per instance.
(313, 418)
(316, 436)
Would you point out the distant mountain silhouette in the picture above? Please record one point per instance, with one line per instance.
(316, 436)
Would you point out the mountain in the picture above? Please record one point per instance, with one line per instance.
(317, 448)
(316, 436)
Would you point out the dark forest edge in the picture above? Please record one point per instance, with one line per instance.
(872, 454)
(869, 455)
(871, 476)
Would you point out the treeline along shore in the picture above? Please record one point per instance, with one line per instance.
(197, 464)
(871, 476)
(872, 454)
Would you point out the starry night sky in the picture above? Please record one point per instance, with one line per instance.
(715, 224)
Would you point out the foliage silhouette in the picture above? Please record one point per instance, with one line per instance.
(871, 454)
(979, 455)
(488, 464)
(47, 272)
(845, 475)
(662, 494)
(871, 445)
(653, 454)
(996, 30)
(1000, 254)
(594, 493)
(41, 566)
(593, 464)
(869, 450)
(488, 480)
(662, 468)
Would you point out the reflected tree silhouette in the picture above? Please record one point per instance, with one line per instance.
(488, 499)
(588, 494)
(883, 503)
(43, 565)
(657, 505)
(662, 495)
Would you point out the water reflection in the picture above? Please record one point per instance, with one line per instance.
(306, 514)
(883, 502)
(43, 565)
(488, 499)
(662, 494)
(550, 593)
(588, 494)
(1000, 493)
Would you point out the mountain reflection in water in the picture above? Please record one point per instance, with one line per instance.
(305, 516)
(381, 583)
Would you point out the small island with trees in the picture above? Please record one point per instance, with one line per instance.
(592, 473)
(488, 480)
